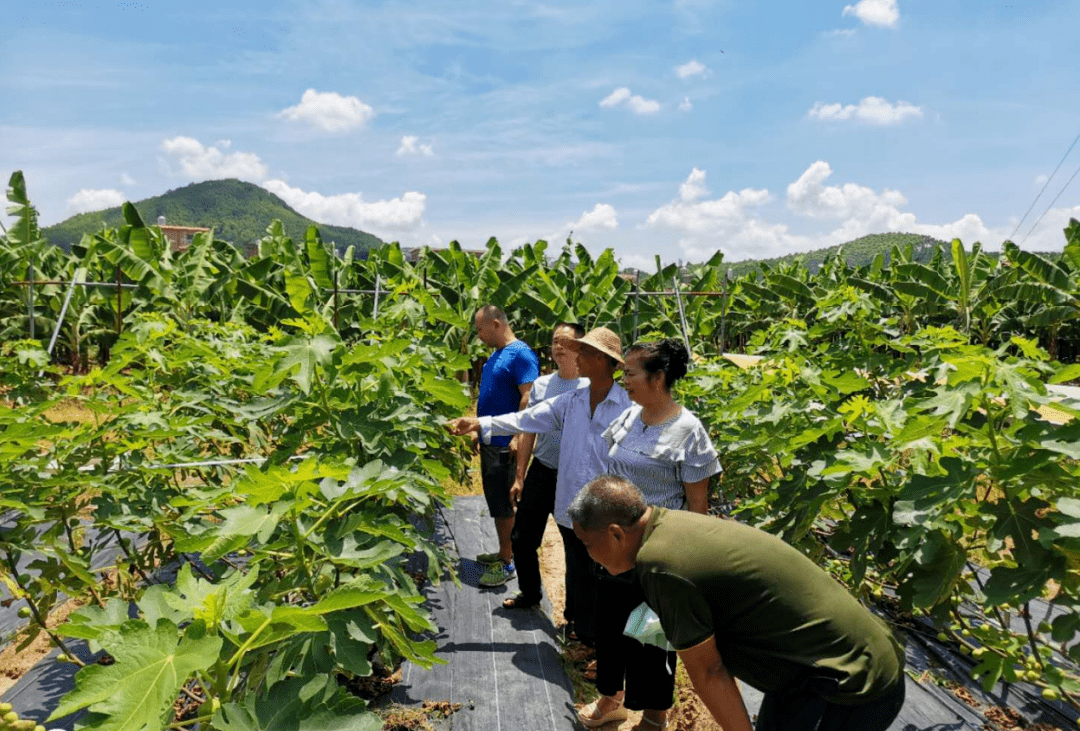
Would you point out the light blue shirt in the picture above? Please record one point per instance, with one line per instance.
(583, 451)
(546, 387)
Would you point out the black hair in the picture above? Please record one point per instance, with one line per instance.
(491, 312)
(605, 500)
(666, 356)
(579, 330)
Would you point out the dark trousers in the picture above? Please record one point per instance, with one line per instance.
(805, 710)
(497, 470)
(645, 672)
(536, 504)
(581, 587)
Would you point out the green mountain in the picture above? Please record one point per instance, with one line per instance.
(861, 251)
(237, 211)
(858, 252)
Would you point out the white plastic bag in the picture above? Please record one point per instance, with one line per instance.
(644, 626)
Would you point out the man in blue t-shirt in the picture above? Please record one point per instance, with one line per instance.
(504, 387)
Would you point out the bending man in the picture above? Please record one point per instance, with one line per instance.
(737, 602)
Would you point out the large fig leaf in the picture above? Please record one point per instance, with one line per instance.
(139, 689)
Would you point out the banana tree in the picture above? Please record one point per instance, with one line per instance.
(24, 309)
(1046, 294)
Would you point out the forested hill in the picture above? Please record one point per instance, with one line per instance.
(858, 252)
(862, 251)
(238, 212)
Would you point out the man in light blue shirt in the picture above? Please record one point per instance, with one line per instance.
(533, 491)
(583, 415)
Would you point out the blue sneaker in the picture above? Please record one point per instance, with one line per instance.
(497, 574)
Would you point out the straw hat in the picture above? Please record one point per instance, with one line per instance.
(604, 340)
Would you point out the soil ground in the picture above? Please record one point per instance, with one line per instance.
(15, 662)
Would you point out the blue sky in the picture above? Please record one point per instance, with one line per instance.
(648, 126)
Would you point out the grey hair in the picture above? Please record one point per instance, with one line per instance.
(605, 500)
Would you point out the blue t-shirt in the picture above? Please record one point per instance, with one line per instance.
(504, 372)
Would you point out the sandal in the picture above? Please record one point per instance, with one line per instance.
(588, 715)
(520, 601)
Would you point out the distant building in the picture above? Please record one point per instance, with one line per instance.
(179, 237)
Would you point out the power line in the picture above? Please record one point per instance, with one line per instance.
(1045, 186)
(1052, 203)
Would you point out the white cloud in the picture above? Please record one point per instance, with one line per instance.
(863, 211)
(619, 95)
(126, 179)
(410, 146)
(87, 200)
(738, 222)
(1048, 235)
(692, 68)
(638, 104)
(601, 216)
(350, 209)
(685, 105)
(690, 214)
(329, 111)
(199, 162)
(641, 105)
(844, 32)
(882, 13)
(872, 110)
(694, 187)
(1041, 180)
(809, 196)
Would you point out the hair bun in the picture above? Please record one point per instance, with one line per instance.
(675, 351)
(677, 358)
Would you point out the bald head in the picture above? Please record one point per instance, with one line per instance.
(492, 327)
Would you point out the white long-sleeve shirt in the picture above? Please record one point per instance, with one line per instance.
(583, 451)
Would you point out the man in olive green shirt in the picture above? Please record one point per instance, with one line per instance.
(737, 602)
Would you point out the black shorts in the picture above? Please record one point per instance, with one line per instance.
(497, 470)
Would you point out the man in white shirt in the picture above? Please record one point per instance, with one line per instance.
(583, 415)
(533, 491)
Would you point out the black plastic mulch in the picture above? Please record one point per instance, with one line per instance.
(502, 665)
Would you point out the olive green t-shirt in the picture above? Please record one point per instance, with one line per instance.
(780, 622)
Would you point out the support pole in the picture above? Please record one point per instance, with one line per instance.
(30, 301)
(723, 311)
(337, 325)
(637, 300)
(119, 299)
(378, 282)
(63, 310)
(682, 315)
